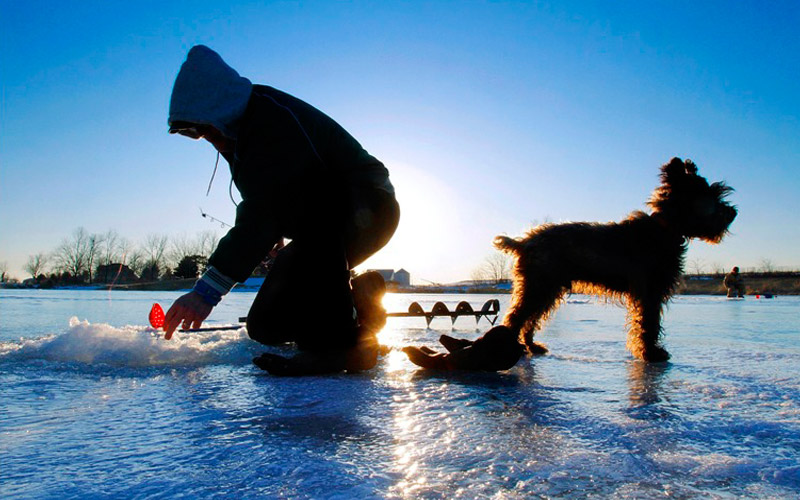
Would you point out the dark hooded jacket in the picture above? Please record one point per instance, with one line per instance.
(283, 146)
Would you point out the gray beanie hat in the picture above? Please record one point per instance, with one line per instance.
(208, 92)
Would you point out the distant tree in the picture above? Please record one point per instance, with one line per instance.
(150, 271)
(496, 267)
(191, 266)
(3, 271)
(766, 266)
(93, 246)
(36, 264)
(154, 248)
(124, 249)
(71, 256)
(113, 251)
(207, 241)
(201, 245)
(137, 261)
(166, 274)
(181, 246)
(109, 249)
(696, 266)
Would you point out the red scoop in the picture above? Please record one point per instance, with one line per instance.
(156, 316)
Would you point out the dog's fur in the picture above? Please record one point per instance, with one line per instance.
(639, 259)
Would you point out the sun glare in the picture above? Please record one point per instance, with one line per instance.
(428, 218)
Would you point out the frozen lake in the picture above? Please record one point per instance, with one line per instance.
(102, 407)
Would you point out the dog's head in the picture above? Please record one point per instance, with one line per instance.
(689, 204)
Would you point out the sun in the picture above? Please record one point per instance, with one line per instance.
(428, 221)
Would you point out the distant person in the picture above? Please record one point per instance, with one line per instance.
(734, 283)
(301, 176)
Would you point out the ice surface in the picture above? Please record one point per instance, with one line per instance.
(133, 346)
(107, 408)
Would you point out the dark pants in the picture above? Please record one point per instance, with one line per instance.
(306, 296)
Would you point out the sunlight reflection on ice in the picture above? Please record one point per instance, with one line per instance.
(396, 361)
(408, 449)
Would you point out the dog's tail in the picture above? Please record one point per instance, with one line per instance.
(506, 244)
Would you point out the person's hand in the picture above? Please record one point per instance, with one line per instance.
(190, 309)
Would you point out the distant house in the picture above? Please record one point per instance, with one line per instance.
(114, 273)
(401, 277)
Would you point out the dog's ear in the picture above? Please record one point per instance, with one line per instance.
(676, 169)
(691, 168)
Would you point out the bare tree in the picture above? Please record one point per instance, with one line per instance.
(112, 250)
(154, 248)
(109, 249)
(136, 261)
(94, 243)
(36, 264)
(767, 266)
(71, 255)
(696, 266)
(181, 246)
(207, 242)
(496, 267)
(125, 248)
(202, 244)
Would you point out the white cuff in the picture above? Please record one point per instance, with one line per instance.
(217, 280)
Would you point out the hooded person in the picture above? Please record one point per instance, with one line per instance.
(303, 177)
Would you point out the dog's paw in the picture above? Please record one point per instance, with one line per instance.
(655, 354)
(537, 348)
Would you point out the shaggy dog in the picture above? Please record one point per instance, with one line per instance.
(639, 259)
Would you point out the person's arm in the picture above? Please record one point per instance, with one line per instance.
(237, 254)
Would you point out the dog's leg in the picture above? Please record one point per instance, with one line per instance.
(644, 317)
(529, 309)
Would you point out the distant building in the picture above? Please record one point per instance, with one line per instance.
(401, 277)
(114, 273)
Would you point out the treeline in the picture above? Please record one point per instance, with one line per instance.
(755, 283)
(93, 258)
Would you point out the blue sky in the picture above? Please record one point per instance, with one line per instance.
(491, 116)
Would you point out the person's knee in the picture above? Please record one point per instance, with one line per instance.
(267, 329)
(363, 242)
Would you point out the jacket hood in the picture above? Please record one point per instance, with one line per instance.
(208, 92)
